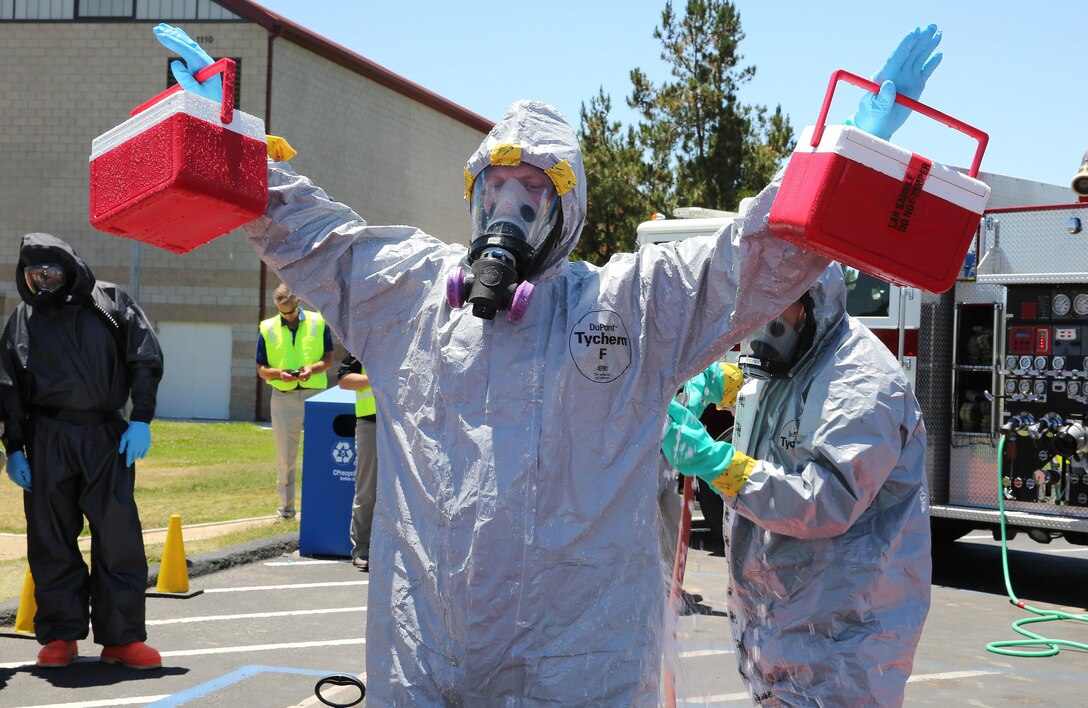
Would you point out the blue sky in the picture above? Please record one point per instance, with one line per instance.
(1009, 68)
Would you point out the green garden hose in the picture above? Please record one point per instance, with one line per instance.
(1052, 646)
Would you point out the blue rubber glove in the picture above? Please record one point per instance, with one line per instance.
(195, 59)
(905, 71)
(19, 470)
(135, 442)
(689, 448)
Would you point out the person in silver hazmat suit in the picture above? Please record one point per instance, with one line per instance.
(827, 526)
(515, 529)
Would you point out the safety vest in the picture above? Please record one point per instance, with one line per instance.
(364, 401)
(308, 347)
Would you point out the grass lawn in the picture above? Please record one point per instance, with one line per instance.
(202, 471)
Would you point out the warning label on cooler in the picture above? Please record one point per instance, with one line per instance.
(907, 200)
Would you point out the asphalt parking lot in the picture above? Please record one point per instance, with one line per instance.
(263, 633)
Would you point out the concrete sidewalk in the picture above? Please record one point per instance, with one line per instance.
(201, 564)
(13, 545)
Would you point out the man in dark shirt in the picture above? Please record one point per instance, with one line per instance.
(352, 377)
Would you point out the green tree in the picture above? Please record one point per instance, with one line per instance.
(695, 144)
(613, 162)
(703, 146)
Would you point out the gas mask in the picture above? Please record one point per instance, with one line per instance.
(46, 282)
(516, 219)
(775, 348)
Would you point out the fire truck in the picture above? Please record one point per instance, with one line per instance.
(1002, 353)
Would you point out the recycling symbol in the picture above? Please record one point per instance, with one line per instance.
(342, 453)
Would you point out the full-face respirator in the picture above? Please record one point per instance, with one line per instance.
(516, 219)
(773, 350)
(46, 282)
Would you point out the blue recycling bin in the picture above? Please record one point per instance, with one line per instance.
(328, 474)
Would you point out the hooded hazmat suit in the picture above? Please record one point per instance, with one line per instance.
(67, 368)
(828, 541)
(514, 547)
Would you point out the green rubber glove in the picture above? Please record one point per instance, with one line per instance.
(689, 448)
(717, 385)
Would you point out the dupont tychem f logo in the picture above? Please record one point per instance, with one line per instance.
(343, 453)
(600, 346)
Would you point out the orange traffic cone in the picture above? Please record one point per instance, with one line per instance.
(173, 571)
(28, 607)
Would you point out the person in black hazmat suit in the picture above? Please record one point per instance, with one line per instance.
(70, 356)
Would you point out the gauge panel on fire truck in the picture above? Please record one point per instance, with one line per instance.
(1080, 304)
(1060, 304)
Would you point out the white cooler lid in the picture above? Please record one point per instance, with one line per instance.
(890, 159)
(178, 102)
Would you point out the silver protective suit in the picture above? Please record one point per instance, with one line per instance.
(829, 546)
(514, 551)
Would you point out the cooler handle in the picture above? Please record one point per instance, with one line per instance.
(843, 75)
(224, 66)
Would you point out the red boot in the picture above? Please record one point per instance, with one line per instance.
(57, 654)
(134, 655)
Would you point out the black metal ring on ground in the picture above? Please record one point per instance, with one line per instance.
(340, 680)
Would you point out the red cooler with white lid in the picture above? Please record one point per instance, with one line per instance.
(181, 170)
(873, 205)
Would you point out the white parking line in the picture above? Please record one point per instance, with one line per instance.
(704, 652)
(744, 696)
(303, 562)
(255, 615)
(948, 675)
(290, 586)
(222, 650)
(264, 647)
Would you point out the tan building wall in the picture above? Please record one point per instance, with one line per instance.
(394, 160)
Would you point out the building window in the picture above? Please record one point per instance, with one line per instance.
(99, 9)
(115, 10)
(182, 10)
(170, 80)
(37, 9)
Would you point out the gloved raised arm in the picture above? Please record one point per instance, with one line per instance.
(193, 59)
(906, 71)
(717, 385)
(689, 448)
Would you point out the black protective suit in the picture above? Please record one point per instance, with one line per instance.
(67, 367)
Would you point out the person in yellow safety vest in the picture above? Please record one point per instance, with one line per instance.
(352, 377)
(294, 350)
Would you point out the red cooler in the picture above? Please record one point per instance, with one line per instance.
(873, 205)
(182, 170)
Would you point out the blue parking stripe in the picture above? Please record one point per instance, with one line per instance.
(209, 687)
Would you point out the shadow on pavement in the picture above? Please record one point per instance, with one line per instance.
(88, 671)
(1036, 577)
